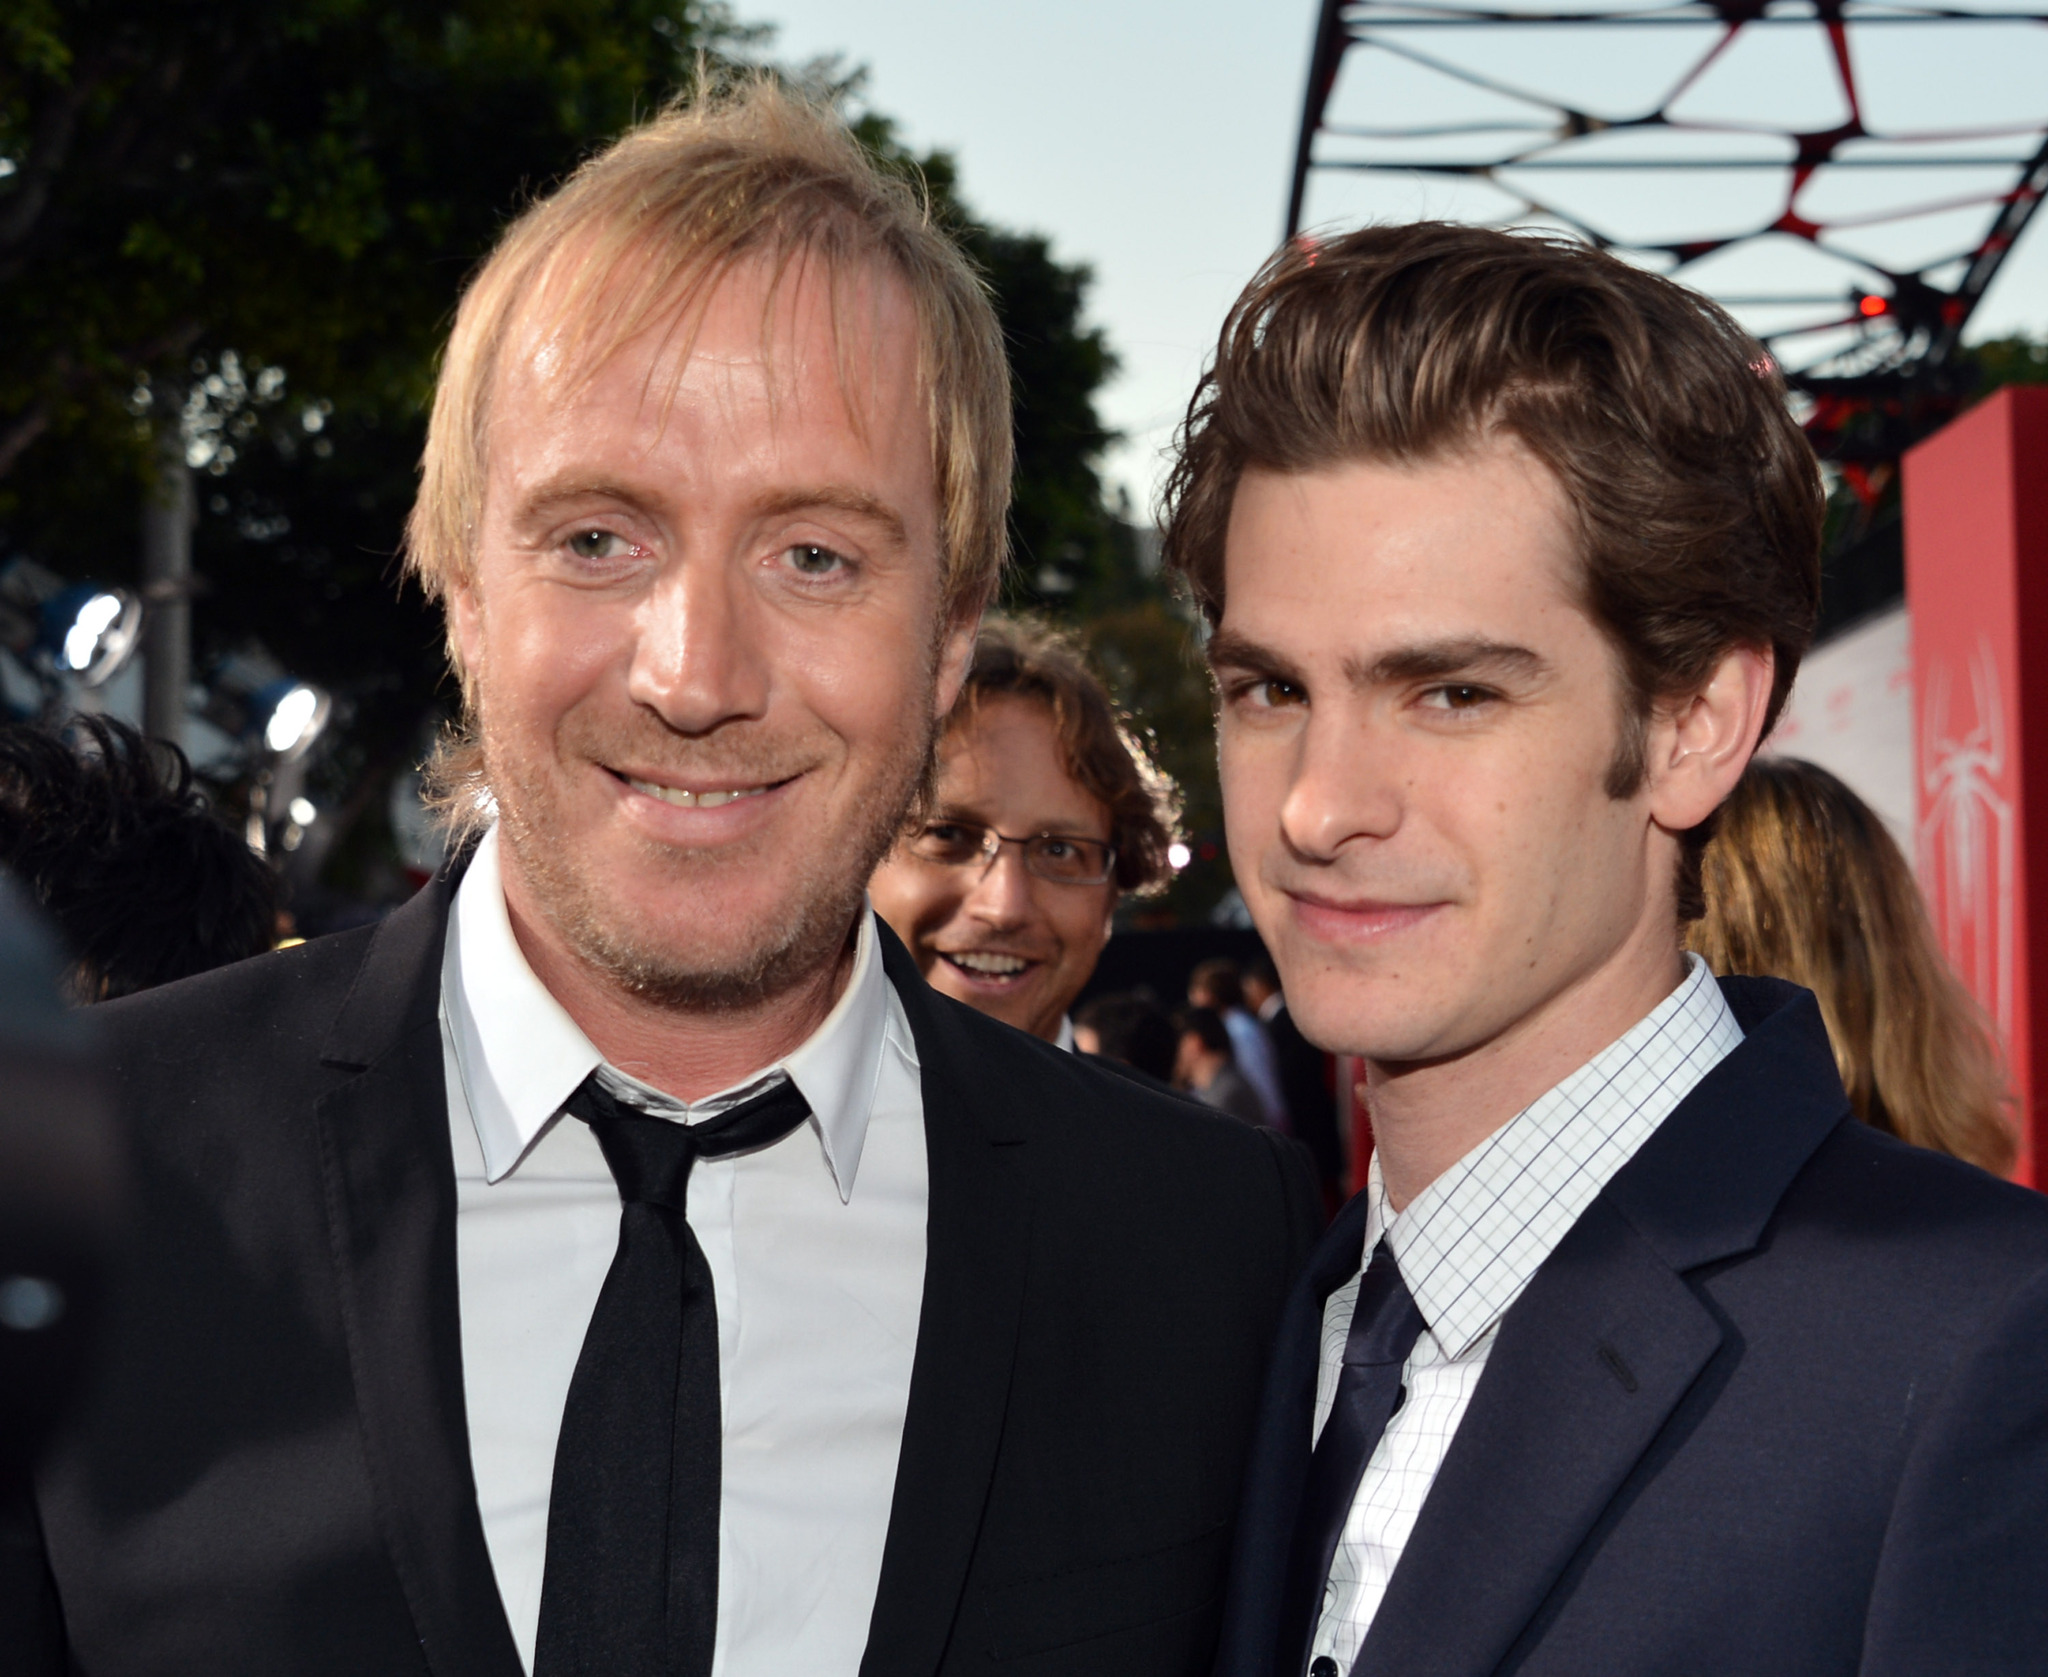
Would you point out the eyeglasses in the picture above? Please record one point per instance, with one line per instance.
(1057, 857)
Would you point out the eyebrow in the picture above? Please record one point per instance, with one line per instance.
(1435, 659)
(854, 503)
(1228, 647)
(558, 492)
(1424, 661)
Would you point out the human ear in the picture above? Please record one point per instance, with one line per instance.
(1699, 748)
(466, 626)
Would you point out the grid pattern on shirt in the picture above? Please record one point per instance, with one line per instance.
(1470, 1243)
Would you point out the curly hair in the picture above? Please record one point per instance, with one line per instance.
(109, 834)
(1099, 751)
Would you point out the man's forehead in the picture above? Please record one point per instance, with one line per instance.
(754, 320)
(1380, 551)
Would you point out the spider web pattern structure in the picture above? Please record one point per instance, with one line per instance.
(1846, 176)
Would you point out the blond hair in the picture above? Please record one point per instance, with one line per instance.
(1803, 882)
(726, 174)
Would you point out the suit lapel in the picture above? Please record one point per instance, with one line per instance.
(1588, 1366)
(390, 1204)
(1602, 1346)
(977, 1249)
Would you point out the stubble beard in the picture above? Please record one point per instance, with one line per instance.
(818, 896)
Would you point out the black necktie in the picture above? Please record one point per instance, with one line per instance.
(631, 1582)
(1384, 1328)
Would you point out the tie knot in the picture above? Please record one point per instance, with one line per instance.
(1386, 1324)
(650, 1157)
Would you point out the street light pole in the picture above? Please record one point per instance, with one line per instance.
(167, 517)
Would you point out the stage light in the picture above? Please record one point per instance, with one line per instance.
(91, 631)
(303, 812)
(1871, 307)
(292, 715)
(1178, 856)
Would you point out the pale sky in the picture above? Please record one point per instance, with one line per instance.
(1153, 141)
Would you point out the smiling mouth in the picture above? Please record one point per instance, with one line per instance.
(1365, 918)
(979, 963)
(695, 800)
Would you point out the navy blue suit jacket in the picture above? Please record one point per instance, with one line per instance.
(1777, 1404)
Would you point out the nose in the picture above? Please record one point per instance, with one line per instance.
(699, 662)
(1346, 785)
(1001, 897)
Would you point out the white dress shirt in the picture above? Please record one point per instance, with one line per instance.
(1468, 1245)
(816, 1247)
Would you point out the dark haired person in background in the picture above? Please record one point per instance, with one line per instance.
(1638, 1354)
(1218, 984)
(1205, 1065)
(109, 835)
(1130, 1029)
(1305, 1076)
(1045, 814)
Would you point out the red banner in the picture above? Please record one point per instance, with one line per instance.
(1976, 516)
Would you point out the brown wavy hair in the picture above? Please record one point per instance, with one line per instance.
(1101, 754)
(1804, 882)
(1697, 498)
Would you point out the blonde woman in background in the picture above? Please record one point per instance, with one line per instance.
(1803, 882)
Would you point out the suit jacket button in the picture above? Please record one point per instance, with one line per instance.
(1322, 1666)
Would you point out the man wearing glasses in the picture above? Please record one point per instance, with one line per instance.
(1045, 814)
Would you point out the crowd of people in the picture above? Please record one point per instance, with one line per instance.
(712, 1228)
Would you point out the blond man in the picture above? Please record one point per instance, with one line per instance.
(620, 1262)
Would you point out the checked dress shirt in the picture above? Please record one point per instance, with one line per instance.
(1468, 1245)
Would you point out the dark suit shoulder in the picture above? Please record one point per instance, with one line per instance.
(1944, 1225)
(226, 1051)
(1149, 1144)
(250, 1000)
(1068, 1090)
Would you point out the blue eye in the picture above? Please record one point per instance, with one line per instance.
(598, 544)
(812, 560)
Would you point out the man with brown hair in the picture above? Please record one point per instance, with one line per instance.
(1637, 1354)
(619, 1262)
(1044, 814)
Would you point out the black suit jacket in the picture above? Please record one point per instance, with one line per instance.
(274, 1475)
(1777, 1406)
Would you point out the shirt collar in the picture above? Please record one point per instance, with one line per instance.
(520, 1055)
(1475, 1237)
(1066, 1037)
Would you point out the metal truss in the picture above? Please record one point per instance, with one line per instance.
(1727, 143)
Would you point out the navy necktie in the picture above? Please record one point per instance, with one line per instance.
(630, 1587)
(1384, 1328)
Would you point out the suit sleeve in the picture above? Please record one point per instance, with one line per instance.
(31, 1623)
(1959, 1580)
(1301, 1200)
